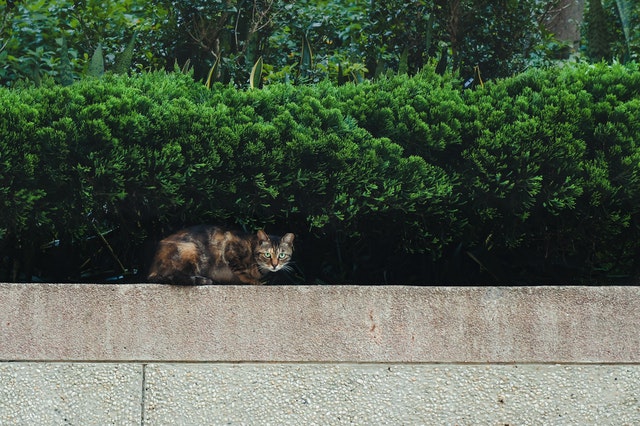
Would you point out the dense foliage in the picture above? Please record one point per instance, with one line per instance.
(533, 178)
(299, 40)
(612, 30)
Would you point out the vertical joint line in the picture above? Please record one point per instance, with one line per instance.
(144, 394)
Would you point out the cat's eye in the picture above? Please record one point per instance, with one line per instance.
(267, 255)
(282, 255)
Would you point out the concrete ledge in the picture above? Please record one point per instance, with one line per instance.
(153, 354)
(159, 323)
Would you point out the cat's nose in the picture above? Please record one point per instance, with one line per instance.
(274, 263)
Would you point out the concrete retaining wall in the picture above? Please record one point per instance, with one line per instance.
(155, 355)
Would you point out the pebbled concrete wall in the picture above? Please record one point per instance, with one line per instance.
(317, 394)
(154, 355)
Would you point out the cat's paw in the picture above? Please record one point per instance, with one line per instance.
(198, 280)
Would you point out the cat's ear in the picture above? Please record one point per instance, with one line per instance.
(262, 236)
(288, 239)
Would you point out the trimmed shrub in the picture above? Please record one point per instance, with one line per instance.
(111, 162)
(554, 168)
(406, 180)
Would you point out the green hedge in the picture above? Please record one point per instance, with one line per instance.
(533, 178)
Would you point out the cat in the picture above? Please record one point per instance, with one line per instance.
(205, 254)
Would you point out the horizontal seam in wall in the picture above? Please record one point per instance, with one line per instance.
(144, 363)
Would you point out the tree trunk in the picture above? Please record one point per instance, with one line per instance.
(565, 20)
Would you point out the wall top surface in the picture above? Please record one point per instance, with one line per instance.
(160, 323)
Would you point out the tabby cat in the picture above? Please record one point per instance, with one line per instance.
(204, 254)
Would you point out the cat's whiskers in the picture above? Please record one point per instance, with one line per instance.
(270, 268)
(287, 267)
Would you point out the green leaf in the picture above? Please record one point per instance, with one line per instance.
(211, 72)
(256, 74)
(124, 60)
(66, 75)
(96, 66)
(306, 61)
(403, 66)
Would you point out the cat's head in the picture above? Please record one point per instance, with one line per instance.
(273, 253)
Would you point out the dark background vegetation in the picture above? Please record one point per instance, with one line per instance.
(453, 142)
